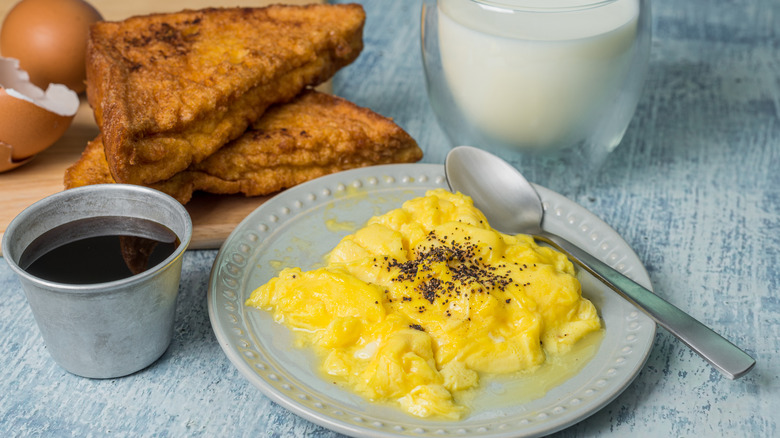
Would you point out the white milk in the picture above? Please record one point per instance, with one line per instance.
(536, 81)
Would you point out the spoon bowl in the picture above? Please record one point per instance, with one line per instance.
(512, 205)
(509, 201)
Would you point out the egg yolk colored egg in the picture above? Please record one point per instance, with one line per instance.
(414, 307)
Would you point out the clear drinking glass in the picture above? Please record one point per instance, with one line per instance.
(549, 85)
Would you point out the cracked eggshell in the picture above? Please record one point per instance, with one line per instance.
(31, 119)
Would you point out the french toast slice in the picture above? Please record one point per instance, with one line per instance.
(168, 90)
(314, 135)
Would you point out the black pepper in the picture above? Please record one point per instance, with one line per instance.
(468, 270)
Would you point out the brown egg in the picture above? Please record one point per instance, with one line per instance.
(49, 38)
(31, 119)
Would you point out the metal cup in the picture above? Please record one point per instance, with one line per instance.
(110, 329)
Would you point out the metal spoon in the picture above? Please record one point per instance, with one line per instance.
(512, 205)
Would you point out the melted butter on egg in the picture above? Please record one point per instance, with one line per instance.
(426, 301)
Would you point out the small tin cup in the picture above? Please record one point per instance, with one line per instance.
(110, 329)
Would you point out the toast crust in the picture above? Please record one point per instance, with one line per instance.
(314, 135)
(168, 90)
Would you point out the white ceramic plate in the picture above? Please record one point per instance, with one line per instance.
(299, 226)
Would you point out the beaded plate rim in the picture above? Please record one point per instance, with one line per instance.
(242, 332)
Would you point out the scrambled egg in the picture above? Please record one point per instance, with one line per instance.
(416, 305)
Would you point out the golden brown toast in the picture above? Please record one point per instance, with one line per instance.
(314, 135)
(168, 90)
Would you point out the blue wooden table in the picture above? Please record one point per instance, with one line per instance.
(694, 188)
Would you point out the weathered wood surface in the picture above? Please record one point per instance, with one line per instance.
(694, 188)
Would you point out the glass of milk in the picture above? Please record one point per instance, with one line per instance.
(550, 85)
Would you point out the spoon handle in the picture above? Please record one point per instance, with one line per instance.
(722, 354)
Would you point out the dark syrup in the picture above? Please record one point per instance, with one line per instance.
(98, 250)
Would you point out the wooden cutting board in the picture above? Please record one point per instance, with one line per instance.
(213, 217)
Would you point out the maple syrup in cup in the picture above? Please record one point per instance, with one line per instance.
(550, 85)
(100, 266)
